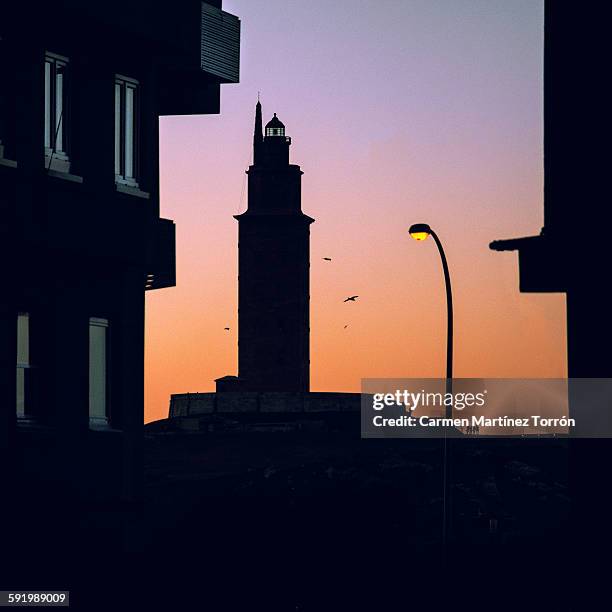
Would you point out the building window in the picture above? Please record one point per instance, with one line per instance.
(23, 361)
(8, 94)
(98, 371)
(126, 130)
(3, 99)
(56, 111)
(3, 113)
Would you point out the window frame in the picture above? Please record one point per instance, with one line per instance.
(97, 420)
(4, 100)
(127, 96)
(56, 137)
(21, 389)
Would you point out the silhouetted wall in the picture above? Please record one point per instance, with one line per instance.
(571, 254)
(77, 242)
(193, 404)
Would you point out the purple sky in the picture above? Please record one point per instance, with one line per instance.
(400, 111)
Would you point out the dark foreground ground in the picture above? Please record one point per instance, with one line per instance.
(325, 512)
(310, 518)
(503, 491)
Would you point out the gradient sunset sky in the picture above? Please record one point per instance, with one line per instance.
(400, 111)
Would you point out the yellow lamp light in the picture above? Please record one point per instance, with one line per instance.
(420, 231)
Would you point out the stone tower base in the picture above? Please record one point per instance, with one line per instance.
(265, 411)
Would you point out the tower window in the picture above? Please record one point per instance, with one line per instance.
(275, 131)
(23, 361)
(56, 120)
(98, 371)
(126, 130)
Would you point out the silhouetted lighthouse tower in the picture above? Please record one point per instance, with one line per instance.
(273, 270)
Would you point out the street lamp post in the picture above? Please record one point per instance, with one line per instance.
(420, 231)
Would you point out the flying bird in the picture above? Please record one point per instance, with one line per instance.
(345, 326)
(327, 258)
(351, 298)
(226, 328)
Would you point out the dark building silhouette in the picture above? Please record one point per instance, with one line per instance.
(81, 237)
(571, 254)
(273, 271)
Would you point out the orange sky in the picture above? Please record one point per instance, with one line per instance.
(399, 113)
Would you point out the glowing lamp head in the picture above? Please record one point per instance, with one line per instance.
(420, 231)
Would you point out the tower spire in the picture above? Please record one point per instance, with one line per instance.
(258, 134)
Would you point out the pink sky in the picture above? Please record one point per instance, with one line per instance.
(400, 112)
